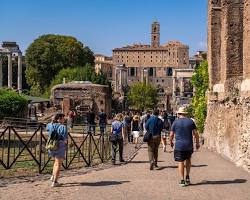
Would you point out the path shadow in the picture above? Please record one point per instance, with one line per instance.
(175, 166)
(224, 182)
(166, 167)
(95, 184)
(141, 161)
(199, 165)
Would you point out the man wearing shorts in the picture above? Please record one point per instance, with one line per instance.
(183, 129)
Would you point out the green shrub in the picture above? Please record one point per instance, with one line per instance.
(199, 101)
(12, 104)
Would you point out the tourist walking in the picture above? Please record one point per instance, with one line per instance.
(144, 120)
(91, 121)
(127, 127)
(57, 127)
(70, 119)
(117, 137)
(102, 121)
(165, 133)
(155, 126)
(135, 129)
(183, 130)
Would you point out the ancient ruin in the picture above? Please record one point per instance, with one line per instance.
(82, 96)
(11, 49)
(227, 128)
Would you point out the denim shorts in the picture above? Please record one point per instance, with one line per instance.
(60, 152)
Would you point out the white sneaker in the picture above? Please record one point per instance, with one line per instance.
(55, 184)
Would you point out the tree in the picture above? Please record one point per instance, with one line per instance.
(199, 101)
(142, 96)
(12, 104)
(48, 54)
(86, 73)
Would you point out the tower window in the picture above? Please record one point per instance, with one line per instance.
(154, 37)
(169, 71)
(151, 71)
(132, 71)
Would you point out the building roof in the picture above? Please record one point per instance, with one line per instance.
(145, 47)
(78, 85)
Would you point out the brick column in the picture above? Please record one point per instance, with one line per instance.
(246, 40)
(232, 39)
(214, 41)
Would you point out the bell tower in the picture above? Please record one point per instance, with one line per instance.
(155, 34)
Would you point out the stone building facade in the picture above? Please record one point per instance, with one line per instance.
(104, 64)
(82, 96)
(182, 88)
(152, 63)
(227, 125)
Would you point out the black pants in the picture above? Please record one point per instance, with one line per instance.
(114, 147)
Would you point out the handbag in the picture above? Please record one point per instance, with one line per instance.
(147, 137)
(149, 134)
(113, 137)
(52, 143)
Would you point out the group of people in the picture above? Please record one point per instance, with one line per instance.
(182, 129)
(90, 119)
(128, 128)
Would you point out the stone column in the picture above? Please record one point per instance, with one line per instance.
(1, 72)
(181, 87)
(174, 86)
(232, 42)
(246, 39)
(214, 41)
(19, 72)
(142, 74)
(9, 70)
(120, 79)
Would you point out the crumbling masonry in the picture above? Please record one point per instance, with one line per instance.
(227, 129)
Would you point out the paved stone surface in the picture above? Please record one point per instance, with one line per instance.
(212, 178)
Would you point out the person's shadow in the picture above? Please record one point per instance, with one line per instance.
(222, 182)
(95, 184)
(175, 166)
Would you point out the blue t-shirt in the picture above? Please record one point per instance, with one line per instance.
(61, 130)
(183, 130)
(117, 127)
(155, 125)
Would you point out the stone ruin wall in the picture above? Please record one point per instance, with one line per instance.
(227, 129)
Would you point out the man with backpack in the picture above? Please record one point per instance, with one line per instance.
(155, 126)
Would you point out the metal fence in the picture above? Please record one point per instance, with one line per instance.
(25, 148)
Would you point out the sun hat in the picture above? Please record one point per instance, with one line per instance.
(182, 110)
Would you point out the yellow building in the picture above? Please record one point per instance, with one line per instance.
(154, 63)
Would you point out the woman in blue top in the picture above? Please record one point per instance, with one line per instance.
(117, 129)
(59, 154)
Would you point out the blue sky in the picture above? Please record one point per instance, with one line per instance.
(105, 24)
